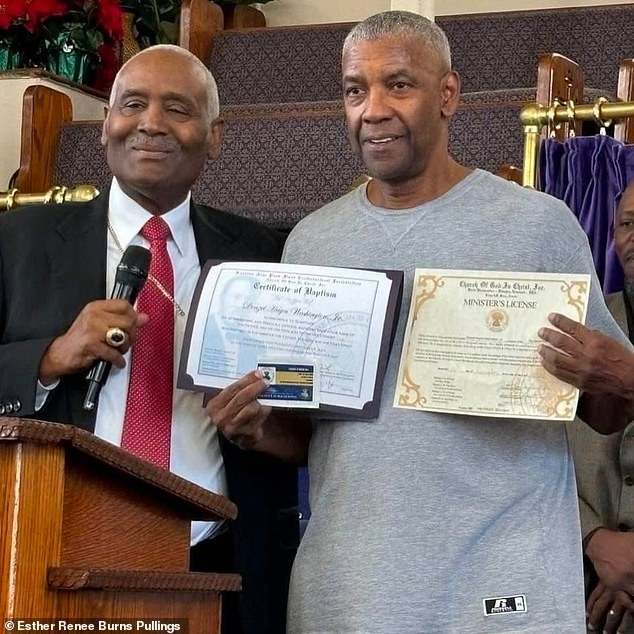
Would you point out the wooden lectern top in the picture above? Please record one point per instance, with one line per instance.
(201, 503)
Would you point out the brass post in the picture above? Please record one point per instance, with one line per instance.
(534, 117)
(58, 194)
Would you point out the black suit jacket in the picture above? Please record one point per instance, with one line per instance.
(52, 263)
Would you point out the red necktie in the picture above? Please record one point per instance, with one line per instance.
(148, 415)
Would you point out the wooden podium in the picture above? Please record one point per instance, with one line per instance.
(88, 531)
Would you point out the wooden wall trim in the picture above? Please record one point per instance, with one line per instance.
(624, 130)
(43, 112)
(200, 20)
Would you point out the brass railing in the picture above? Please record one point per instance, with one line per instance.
(534, 117)
(58, 194)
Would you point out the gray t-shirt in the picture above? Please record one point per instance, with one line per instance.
(417, 517)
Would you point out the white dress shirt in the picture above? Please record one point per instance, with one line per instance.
(195, 451)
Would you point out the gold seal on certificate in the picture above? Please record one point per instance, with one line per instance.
(471, 343)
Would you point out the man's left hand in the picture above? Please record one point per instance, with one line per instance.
(586, 358)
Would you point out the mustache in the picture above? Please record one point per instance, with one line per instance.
(153, 144)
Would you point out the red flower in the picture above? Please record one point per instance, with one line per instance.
(109, 16)
(11, 10)
(95, 26)
(39, 10)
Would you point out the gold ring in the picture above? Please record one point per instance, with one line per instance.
(115, 337)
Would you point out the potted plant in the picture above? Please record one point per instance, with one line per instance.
(82, 43)
(77, 39)
(20, 22)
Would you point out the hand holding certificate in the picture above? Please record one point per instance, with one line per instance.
(471, 343)
(312, 327)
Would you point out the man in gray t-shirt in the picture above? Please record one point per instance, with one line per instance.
(425, 522)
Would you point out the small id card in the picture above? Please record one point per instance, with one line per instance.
(293, 383)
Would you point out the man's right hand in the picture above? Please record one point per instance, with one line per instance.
(85, 340)
(609, 612)
(236, 412)
(245, 422)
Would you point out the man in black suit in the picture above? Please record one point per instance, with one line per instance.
(57, 266)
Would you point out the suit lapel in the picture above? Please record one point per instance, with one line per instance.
(212, 241)
(77, 256)
(616, 304)
(77, 252)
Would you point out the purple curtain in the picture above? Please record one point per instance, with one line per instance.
(589, 174)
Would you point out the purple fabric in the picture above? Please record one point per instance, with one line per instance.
(589, 174)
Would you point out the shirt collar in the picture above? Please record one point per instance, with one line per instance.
(127, 218)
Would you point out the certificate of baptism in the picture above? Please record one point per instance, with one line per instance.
(471, 343)
(294, 321)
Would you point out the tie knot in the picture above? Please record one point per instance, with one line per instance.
(156, 230)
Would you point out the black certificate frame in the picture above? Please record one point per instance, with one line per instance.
(370, 409)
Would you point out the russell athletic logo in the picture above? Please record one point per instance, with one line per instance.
(504, 605)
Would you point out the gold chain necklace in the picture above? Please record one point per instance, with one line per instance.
(179, 311)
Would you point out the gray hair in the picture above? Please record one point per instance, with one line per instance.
(394, 24)
(200, 70)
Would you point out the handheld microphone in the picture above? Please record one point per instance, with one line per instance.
(131, 275)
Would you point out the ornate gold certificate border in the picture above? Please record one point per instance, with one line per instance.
(555, 402)
(410, 392)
